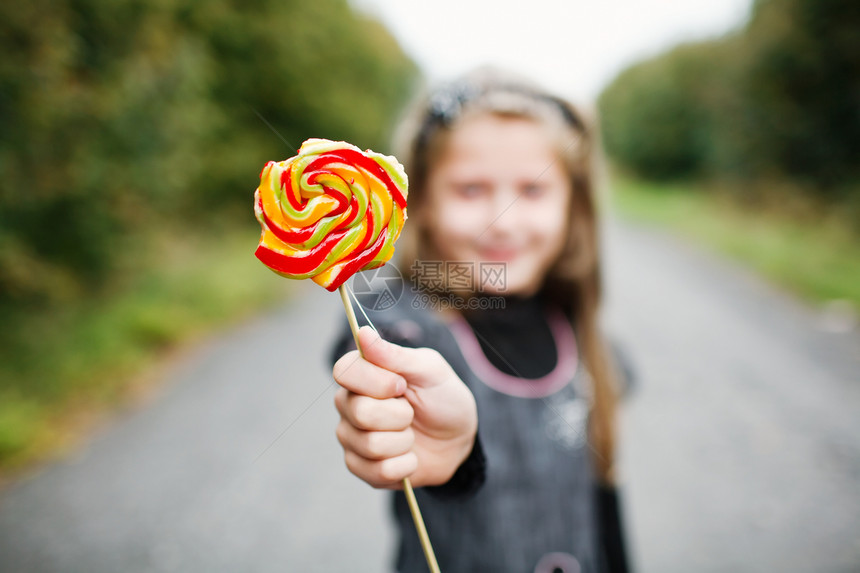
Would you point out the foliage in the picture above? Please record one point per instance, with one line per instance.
(122, 116)
(776, 100)
(655, 115)
(801, 90)
(131, 136)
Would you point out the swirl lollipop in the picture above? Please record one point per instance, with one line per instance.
(329, 212)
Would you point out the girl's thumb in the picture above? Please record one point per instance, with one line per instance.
(418, 365)
(381, 352)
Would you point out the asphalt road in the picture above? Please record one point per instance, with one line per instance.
(741, 443)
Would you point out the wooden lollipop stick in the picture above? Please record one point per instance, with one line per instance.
(407, 485)
(420, 527)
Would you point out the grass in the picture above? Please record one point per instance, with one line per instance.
(814, 256)
(66, 367)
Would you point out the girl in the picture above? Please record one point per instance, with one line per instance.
(492, 389)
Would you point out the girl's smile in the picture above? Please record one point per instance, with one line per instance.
(499, 194)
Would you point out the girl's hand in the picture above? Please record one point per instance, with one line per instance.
(403, 413)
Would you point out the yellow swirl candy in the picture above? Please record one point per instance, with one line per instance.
(329, 212)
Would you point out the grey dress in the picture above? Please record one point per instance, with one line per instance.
(534, 509)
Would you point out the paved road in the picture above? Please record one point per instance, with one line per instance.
(741, 443)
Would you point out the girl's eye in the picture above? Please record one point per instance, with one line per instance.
(469, 190)
(533, 190)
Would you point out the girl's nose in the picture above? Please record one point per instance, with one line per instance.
(504, 217)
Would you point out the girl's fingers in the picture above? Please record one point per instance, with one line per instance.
(375, 446)
(386, 473)
(366, 413)
(360, 376)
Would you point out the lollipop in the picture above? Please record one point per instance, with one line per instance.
(329, 212)
(326, 214)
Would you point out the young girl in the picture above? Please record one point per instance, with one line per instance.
(491, 387)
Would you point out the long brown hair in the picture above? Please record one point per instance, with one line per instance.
(574, 281)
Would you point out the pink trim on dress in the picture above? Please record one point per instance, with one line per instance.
(561, 375)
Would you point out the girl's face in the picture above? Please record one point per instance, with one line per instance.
(499, 194)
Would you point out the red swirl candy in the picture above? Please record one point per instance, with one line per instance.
(329, 212)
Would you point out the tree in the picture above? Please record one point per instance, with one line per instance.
(121, 116)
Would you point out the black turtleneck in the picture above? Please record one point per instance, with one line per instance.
(516, 339)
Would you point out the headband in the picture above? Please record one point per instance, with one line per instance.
(446, 104)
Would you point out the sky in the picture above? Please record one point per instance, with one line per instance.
(572, 47)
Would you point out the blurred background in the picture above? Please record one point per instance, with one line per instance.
(131, 138)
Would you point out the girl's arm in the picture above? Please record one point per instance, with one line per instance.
(404, 413)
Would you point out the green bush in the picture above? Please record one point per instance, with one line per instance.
(800, 89)
(120, 117)
(774, 101)
(132, 134)
(655, 115)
